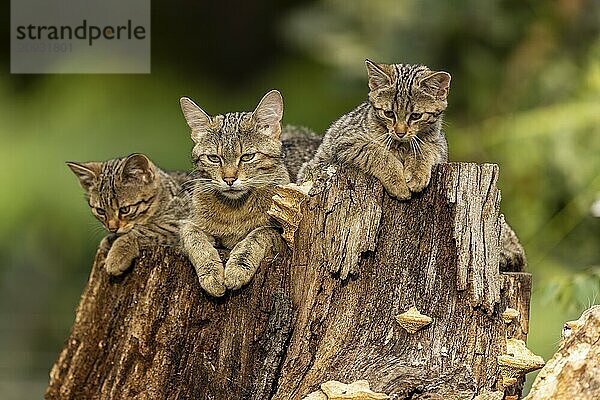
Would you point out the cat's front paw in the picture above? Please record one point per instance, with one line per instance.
(213, 283)
(398, 190)
(416, 182)
(238, 272)
(210, 275)
(117, 262)
(104, 245)
(102, 252)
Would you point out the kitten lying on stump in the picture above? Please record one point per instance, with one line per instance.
(396, 136)
(137, 202)
(238, 164)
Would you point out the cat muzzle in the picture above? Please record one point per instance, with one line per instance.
(400, 128)
(399, 136)
(229, 180)
(112, 226)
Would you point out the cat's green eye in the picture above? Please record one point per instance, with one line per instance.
(247, 157)
(389, 114)
(415, 116)
(99, 211)
(214, 158)
(124, 210)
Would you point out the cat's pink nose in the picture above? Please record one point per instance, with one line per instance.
(112, 226)
(400, 128)
(229, 180)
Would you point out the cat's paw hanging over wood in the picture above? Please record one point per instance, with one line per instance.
(105, 244)
(241, 266)
(119, 259)
(236, 276)
(103, 249)
(418, 180)
(213, 282)
(117, 267)
(397, 189)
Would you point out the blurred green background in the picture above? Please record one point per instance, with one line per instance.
(525, 94)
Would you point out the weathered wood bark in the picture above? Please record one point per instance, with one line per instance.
(153, 334)
(574, 371)
(323, 311)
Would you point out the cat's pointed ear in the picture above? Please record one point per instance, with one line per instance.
(378, 78)
(436, 84)
(85, 172)
(138, 167)
(269, 112)
(197, 119)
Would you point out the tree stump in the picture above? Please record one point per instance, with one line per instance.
(323, 310)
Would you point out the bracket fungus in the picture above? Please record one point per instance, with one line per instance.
(287, 207)
(412, 320)
(517, 362)
(509, 315)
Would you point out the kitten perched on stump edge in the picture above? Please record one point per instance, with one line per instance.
(136, 201)
(396, 135)
(238, 162)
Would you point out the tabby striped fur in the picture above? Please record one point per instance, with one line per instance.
(238, 162)
(396, 135)
(137, 202)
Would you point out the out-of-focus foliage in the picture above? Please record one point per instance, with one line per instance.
(525, 94)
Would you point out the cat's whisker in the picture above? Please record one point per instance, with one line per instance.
(417, 146)
(96, 230)
(388, 143)
(259, 183)
(420, 148)
(378, 138)
(205, 189)
(419, 140)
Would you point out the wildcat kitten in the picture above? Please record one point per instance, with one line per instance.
(238, 162)
(137, 202)
(396, 136)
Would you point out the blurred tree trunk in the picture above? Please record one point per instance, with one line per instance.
(324, 311)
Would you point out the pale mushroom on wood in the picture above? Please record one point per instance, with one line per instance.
(412, 320)
(517, 362)
(509, 315)
(287, 207)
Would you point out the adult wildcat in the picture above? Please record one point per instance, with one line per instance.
(140, 205)
(238, 162)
